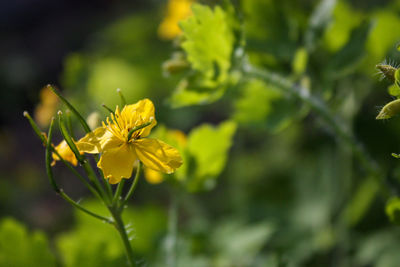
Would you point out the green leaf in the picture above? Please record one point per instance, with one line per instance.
(18, 248)
(394, 90)
(209, 147)
(348, 58)
(189, 93)
(393, 210)
(208, 43)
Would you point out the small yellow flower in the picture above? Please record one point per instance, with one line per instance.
(65, 152)
(152, 176)
(177, 10)
(47, 107)
(119, 153)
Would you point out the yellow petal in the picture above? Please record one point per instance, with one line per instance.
(117, 163)
(97, 141)
(143, 111)
(157, 155)
(152, 176)
(65, 152)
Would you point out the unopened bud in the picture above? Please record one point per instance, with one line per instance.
(387, 70)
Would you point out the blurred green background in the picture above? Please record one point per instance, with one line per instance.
(288, 193)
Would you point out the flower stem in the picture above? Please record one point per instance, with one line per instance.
(54, 184)
(133, 187)
(118, 192)
(119, 225)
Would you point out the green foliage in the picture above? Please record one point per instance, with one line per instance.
(318, 21)
(299, 63)
(345, 20)
(394, 90)
(238, 243)
(93, 244)
(382, 38)
(208, 42)
(208, 147)
(108, 74)
(264, 105)
(393, 210)
(350, 55)
(361, 201)
(18, 248)
(379, 249)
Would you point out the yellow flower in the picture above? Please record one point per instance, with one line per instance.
(119, 152)
(47, 107)
(177, 10)
(65, 152)
(152, 176)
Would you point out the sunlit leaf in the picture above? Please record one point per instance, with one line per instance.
(209, 147)
(208, 41)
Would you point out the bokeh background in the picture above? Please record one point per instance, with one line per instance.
(289, 194)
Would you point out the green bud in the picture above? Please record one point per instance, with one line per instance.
(389, 110)
(387, 70)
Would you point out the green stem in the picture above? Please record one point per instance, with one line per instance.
(118, 192)
(119, 225)
(170, 246)
(133, 186)
(72, 169)
(69, 105)
(108, 109)
(76, 205)
(123, 100)
(320, 107)
(93, 178)
(54, 184)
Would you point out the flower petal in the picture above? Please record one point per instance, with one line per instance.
(117, 163)
(97, 141)
(144, 111)
(65, 152)
(157, 155)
